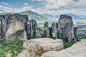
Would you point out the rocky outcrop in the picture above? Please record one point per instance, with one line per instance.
(56, 25)
(76, 33)
(46, 33)
(54, 30)
(9, 26)
(33, 29)
(36, 47)
(15, 30)
(65, 27)
(77, 50)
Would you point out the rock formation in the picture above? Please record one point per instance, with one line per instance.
(36, 47)
(15, 30)
(54, 30)
(76, 33)
(12, 25)
(33, 29)
(56, 25)
(65, 27)
(77, 50)
(46, 33)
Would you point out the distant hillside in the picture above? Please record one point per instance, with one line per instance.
(74, 17)
(37, 17)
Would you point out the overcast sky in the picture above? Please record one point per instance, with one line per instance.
(53, 7)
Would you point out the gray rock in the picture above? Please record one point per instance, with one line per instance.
(77, 50)
(37, 33)
(65, 27)
(54, 30)
(46, 33)
(9, 20)
(15, 30)
(35, 30)
(76, 33)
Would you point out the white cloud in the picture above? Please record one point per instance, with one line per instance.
(32, 0)
(4, 3)
(25, 4)
(39, 0)
(7, 9)
(62, 6)
(53, 7)
(36, 0)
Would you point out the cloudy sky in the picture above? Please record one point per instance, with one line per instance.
(53, 7)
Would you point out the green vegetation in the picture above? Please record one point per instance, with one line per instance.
(10, 49)
(82, 36)
(37, 17)
(28, 36)
(50, 33)
(66, 45)
(33, 27)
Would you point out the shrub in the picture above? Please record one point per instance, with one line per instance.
(66, 45)
(15, 45)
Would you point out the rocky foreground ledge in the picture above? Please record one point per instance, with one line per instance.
(46, 47)
(36, 47)
(77, 50)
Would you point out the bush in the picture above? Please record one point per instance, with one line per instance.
(28, 36)
(66, 45)
(15, 45)
(50, 33)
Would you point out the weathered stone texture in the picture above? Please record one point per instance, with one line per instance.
(65, 27)
(46, 33)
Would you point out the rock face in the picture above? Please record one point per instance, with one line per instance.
(54, 30)
(65, 27)
(36, 47)
(15, 30)
(76, 33)
(33, 29)
(77, 50)
(46, 33)
(12, 24)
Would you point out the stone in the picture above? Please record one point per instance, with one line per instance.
(54, 30)
(46, 33)
(42, 45)
(34, 30)
(77, 50)
(8, 20)
(66, 28)
(15, 30)
(37, 33)
(24, 53)
(76, 33)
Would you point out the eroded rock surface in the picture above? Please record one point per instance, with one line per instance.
(65, 27)
(33, 29)
(54, 30)
(36, 47)
(77, 50)
(13, 25)
(46, 33)
(15, 30)
(76, 33)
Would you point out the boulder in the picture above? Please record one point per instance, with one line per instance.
(15, 30)
(42, 45)
(65, 27)
(46, 33)
(54, 30)
(77, 50)
(24, 53)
